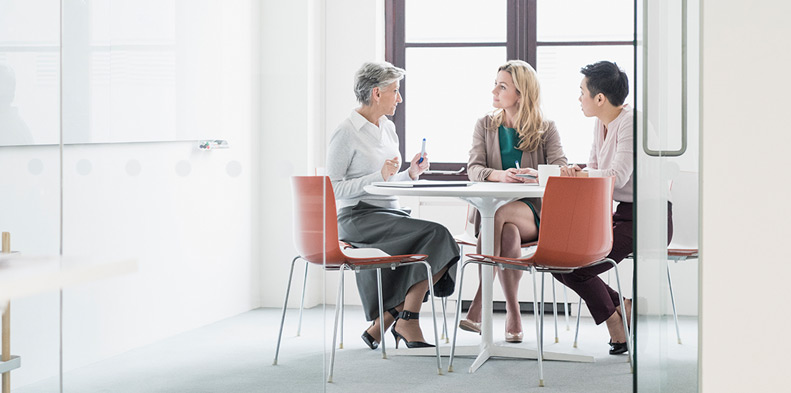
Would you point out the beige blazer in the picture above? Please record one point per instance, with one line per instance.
(485, 156)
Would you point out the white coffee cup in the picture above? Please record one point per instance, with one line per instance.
(545, 171)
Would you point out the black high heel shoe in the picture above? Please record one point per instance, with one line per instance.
(369, 339)
(617, 348)
(407, 315)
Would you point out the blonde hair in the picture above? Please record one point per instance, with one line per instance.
(529, 121)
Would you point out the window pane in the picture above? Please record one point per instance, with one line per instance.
(460, 21)
(448, 89)
(585, 20)
(559, 74)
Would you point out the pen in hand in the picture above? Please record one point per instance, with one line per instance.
(422, 152)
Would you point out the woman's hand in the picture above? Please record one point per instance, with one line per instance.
(415, 169)
(570, 171)
(509, 175)
(390, 168)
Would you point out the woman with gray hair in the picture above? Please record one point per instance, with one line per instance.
(363, 150)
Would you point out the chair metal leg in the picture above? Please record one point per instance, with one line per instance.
(566, 306)
(672, 301)
(335, 329)
(539, 344)
(445, 335)
(343, 307)
(433, 315)
(623, 312)
(283, 316)
(458, 318)
(577, 330)
(555, 310)
(542, 309)
(302, 302)
(381, 313)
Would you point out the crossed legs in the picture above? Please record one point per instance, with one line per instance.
(514, 224)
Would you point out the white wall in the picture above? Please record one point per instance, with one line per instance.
(307, 91)
(746, 217)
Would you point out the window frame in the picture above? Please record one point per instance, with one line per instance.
(521, 44)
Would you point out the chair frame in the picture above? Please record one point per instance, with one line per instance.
(534, 269)
(466, 243)
(335, 258)
(673, 254)
(556, 256)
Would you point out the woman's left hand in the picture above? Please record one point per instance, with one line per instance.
(415, 169)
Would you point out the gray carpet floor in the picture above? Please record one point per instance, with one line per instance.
(235, 355)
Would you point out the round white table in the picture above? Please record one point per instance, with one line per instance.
(487, 198)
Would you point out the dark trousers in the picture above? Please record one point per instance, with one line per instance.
(599, 297)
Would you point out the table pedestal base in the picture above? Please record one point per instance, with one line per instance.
(494, 351)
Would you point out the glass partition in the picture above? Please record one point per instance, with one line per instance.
(30, 184)
(667, 168)
(157, 72)
(148, 72)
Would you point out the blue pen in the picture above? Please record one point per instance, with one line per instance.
(517, 164)
(422, 151)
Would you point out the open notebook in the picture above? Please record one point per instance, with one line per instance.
(422, 183)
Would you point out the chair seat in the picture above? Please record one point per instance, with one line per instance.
(508, 261)
(680, 252)
(465, 239)
(364, 253)
(375, 256)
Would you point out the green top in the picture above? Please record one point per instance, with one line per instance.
(508, 151)
(510, 156)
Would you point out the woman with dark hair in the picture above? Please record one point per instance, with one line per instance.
(603, 91)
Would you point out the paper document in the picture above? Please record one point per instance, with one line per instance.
(422, 183)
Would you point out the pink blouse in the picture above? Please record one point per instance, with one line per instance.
(612, 155)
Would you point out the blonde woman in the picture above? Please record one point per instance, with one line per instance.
(512, 140)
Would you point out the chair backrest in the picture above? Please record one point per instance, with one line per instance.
(315, 220)
(685, 210)
(576, 221)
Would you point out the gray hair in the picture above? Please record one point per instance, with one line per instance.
(372, 75)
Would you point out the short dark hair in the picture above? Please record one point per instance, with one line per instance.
(607, 78)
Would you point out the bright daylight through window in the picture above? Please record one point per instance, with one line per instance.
(452, 60)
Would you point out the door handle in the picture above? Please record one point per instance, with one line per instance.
(675, 153)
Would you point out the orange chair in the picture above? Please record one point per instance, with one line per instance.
(468, 239)
(316, 240)
(684, 244)
(575, 232)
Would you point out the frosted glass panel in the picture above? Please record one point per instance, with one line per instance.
(149, 70)
(585, 20)
(29, 76)
(25, 22)
(461, 21)
(30, 176)
(444, 102)
(559, 74)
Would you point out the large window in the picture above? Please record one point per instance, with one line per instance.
(451, 51)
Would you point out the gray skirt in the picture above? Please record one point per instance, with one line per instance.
(395, 232)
